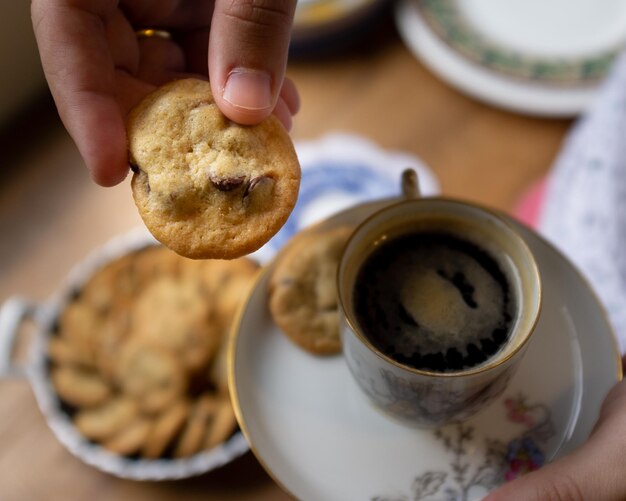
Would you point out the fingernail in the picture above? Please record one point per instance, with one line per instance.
(248, 89)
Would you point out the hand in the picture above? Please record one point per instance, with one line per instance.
(98, 69)
(597, 470)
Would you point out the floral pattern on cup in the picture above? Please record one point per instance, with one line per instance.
(502, 461)
(420, 403)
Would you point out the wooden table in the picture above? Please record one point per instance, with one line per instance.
(51, 215)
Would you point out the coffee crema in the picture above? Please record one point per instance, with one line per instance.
(432, 300)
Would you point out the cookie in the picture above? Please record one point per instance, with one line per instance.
(131, 438)
(302, 290)
(205, 186)
(192, 437)
(225, 282)
(218, 371)
(78, 387)
(63, 352)
(165, 428)
(231, 282)
(151, 375)
(140, 352)
(108, 286)
(222, 425)
(110, 337)
(107, 420)
(153, 262)
(77, 325)
(176, 315)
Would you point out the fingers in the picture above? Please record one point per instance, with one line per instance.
(81, 74)
(121, 42)
(594, 471)
(283, 113)
(195, 45)
(288, 103)
(174, 14)
(590, 473)
(160, 61)
(248, 48)
(89, 52)
(290, 95)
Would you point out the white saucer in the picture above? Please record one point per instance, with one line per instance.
(318, 436)
(533, 57)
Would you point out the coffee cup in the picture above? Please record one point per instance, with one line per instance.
(438, 299)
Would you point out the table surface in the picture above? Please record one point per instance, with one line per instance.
(52, 215)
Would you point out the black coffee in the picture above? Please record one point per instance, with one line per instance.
(431, 300)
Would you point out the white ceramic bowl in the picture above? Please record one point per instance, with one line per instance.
(36, 371)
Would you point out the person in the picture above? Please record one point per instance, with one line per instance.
(594, 471)
(98, 68)
(99, 63)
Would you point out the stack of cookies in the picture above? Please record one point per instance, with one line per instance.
(138, 358)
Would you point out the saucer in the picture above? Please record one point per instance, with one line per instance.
(539, 58)
(319, 437)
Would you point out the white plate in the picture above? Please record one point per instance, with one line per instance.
(318, 436)
(533, 57)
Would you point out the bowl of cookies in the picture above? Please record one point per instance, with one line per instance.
(128, 359)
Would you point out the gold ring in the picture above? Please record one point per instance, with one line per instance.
(153, 33)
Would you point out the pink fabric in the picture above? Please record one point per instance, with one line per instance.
(528, 210)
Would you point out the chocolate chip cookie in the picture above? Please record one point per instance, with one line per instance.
(107, 420)
(303, 293)
(176, 315)
(141, 343)
(207, 187)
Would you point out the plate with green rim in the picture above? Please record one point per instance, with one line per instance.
(539, 58)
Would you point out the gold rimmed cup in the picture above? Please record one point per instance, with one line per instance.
(426, 397)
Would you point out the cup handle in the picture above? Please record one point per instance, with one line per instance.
(12, 314)
(410, 184)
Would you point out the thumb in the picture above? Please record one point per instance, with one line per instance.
(248, 49)
(593, 471)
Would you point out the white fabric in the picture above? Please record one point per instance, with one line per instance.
(584, 210)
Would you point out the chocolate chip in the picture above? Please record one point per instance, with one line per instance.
(255, 184)
(227, 183)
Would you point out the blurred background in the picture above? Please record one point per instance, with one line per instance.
(480, 91)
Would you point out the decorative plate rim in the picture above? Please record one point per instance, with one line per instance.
(447, 21)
